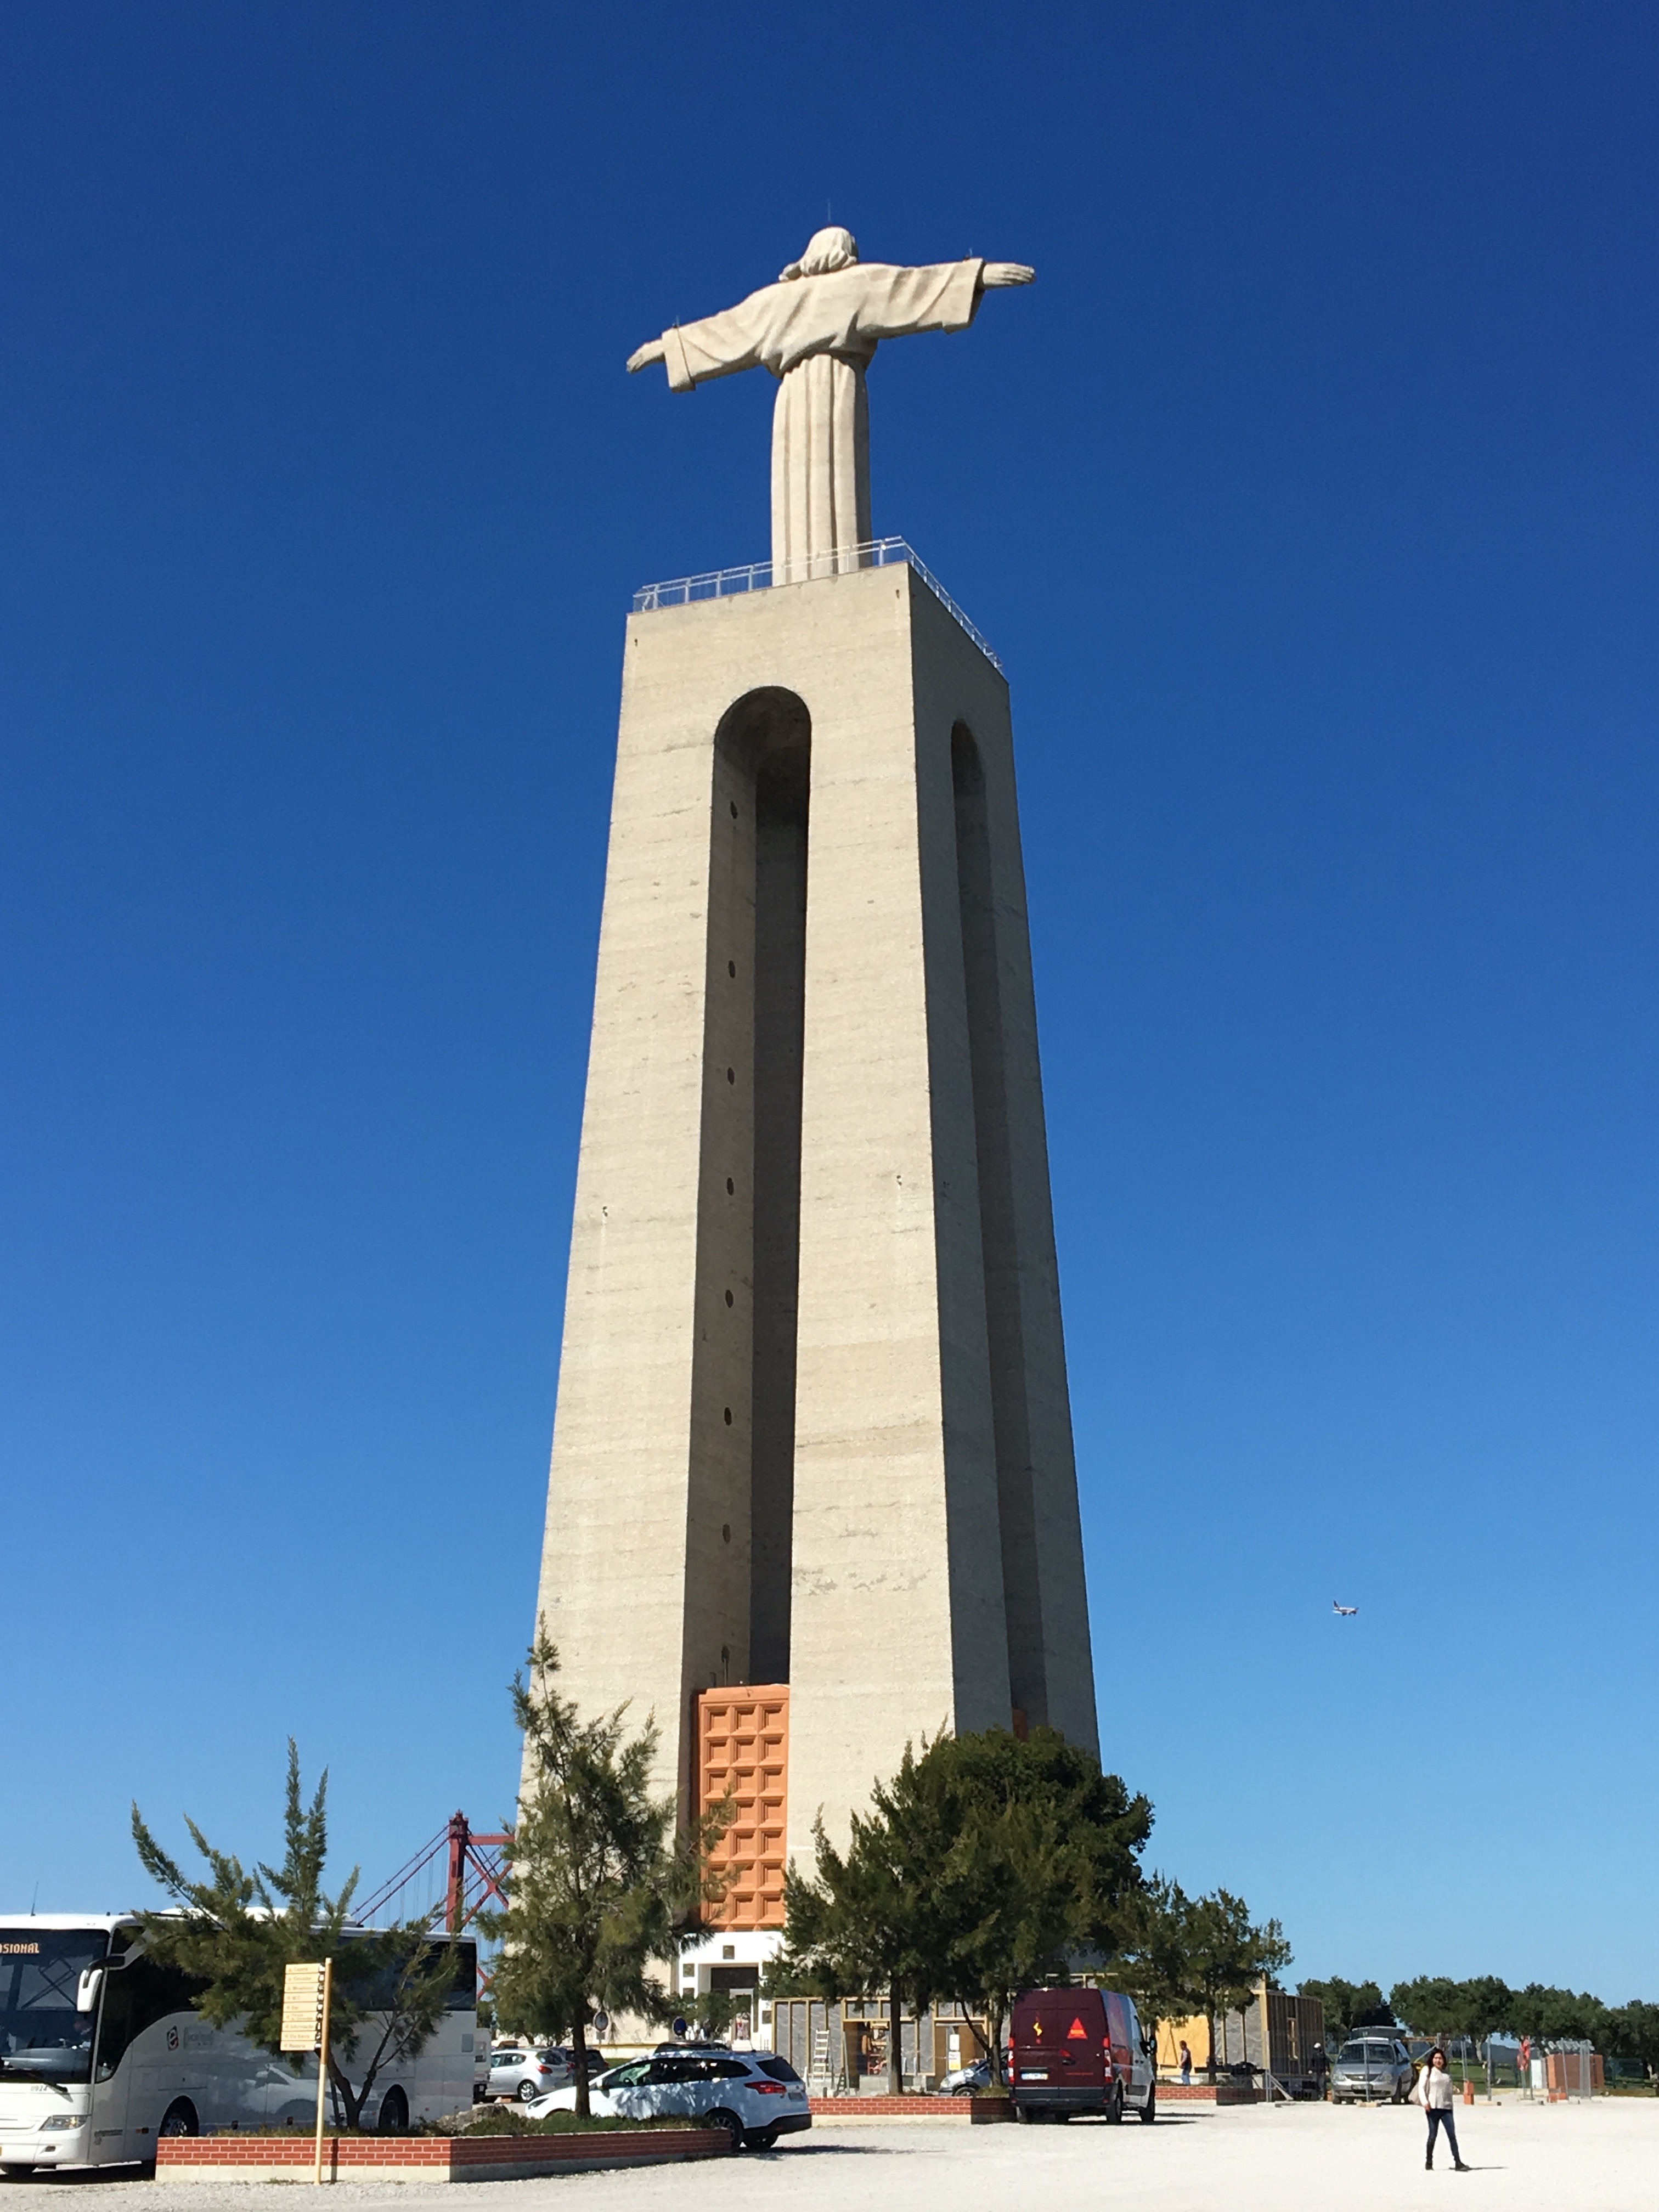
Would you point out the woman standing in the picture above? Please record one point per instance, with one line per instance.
(1434, 2094)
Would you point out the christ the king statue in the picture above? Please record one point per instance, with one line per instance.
(816, 329)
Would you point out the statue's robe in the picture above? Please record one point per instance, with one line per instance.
(817, 335)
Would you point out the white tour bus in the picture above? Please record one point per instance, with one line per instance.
(100, 2052)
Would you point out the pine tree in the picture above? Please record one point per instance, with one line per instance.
(236, 1932)
(986, 1861)
(598, 1886)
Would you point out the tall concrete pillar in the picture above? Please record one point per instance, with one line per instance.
(812, 1421)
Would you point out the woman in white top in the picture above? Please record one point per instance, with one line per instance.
(1434, 2094)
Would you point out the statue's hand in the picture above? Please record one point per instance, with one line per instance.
(645, 356)
(1007, 272)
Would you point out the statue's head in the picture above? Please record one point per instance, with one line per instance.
(826, 249)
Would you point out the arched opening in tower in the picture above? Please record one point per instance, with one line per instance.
(1005, 1319)
(749, 1242)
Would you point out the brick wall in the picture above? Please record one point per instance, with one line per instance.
(975, 2110)
(427, 2157)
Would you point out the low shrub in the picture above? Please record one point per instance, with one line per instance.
(495, 2120)
(503, 2120)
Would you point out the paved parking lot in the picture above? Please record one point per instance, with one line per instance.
(1527, 2158)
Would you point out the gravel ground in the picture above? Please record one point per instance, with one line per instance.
(1527, 2158)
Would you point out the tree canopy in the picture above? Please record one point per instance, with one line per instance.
(1195, 1954)
(598, 1885)
(1485, 2005)
(985, 1864)
(236, 1931)
(1229, 1952)
(1349, 2005)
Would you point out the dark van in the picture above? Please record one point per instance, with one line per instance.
(1078, 2050)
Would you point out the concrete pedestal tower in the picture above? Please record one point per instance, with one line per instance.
(813, 1492)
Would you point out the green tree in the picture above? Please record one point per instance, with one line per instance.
(599, 1887)
(1155, 1965)
(1040, 1865)
(1631, 2033)
(713, 2013)
(1430, 2003)
(858, 1924)
(237, 1931)
(1557, 2016)
(1228, 1954)
(1482, 2006)
(985, 1864)
(1488, 2006)
(1348, 2005)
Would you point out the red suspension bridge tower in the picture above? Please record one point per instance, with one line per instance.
(474, 1868)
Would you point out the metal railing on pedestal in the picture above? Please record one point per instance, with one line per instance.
(763, 575)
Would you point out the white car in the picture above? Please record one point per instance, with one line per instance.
(963, 2081)
(756, 2097)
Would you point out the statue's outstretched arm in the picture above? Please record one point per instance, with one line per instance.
(645, 356)
(996, 273)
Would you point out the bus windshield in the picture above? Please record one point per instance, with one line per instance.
(42, 2036)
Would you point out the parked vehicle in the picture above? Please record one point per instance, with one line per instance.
(102, 2051)
(527, 2073)
(755, 2099)
(1372, 2069)
(963, 2081)
(1079, 2051)
(524, 2074)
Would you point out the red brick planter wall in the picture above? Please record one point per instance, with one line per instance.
(974, 2111)
(427, 2157)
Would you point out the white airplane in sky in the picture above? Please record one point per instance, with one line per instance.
(1348, 1611)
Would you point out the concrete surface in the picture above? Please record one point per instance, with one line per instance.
(812, 1421)
(1527, 2158)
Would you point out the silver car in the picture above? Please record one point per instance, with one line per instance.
(1373, 2069)
(527, 2073)
(965, 2081)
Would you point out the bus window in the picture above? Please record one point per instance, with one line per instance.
(42, 2036)
(135, 1999)
(378, 1992)
(463, 1992)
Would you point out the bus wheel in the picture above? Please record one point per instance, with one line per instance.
(394, 2113)
(179, 2119)
(16, 2173)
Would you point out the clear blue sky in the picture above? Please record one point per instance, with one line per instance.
(1311, 499)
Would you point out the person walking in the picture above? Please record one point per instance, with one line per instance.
(1434, 2094)
(1186, 2064)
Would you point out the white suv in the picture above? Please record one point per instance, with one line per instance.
(754, 2096)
